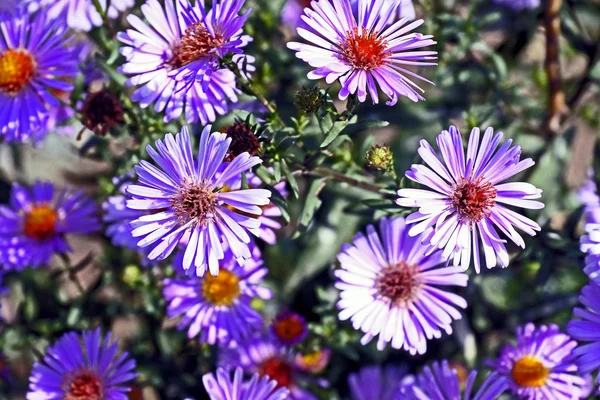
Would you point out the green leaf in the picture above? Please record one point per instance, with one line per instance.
(291, 179)
(333, 133)
(265, 175)
(277, 171)
(280, 202)
(311, 205)
(361, 126)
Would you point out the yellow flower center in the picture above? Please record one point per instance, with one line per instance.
(530, 372)
(40, 222)
(221, 290)
(17, 67)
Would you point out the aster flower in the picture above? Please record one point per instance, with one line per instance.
(82, 366)
(222, 387)
(586, 329)
(37, 58)
(376, 383)
(217, 309)
(441, 382)
(390, 287)
(187, 202)
(541, 365)
(466, 203)
(81, 15)
(519, 5)
(34, 224)
(406, 9)
(164, 57)
(364, 50)
(289, 327)
(266, 356)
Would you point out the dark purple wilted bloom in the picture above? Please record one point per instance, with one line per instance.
(178, 42)
(222, 387)
(37, 60)
(441, 382)
(267, 356)
(217, 309)
(82, 366)
(390, 287)
(587, 329)
(541, 365)
(188, 204)
(34, 224)
(465, 202)
(289, 327)
(365, 50)
(376, 383)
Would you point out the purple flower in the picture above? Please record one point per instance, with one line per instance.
(406, 9)
(269, 223)
(222, 387)
(364, 50)
(376, 383)
(519, 5)
(289, 327)
(217, 309)
(266, 356)
(541, 364)
(466, 203)
(187, 203)
(164, 56)
(441, 382)
(590, 243)
(34, 224)
(82, 367)
(587, 329)
(389, 285)
(37, 59)
(588, 197)
(82, 15)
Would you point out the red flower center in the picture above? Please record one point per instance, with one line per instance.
(197, 42)
(17, 67)
(85, 386)
(472, 200)
(363, 49)
(278, 370)
(40, 222)
(399, 282)
(194, 202)
(289, 328)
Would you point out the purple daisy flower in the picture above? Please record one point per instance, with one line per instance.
(37, 59)
(289, 327)
(376, 383)
(187, 202)
(82, 366)
(163, 55)
(587, 329)
(466, 200)
(364, 50)
(519, 5)
(34, 224)
(222, 387)
(217, 309)
(590, 243)
(541, 365)
(442, 382)
(82, 15)
(266, 356)
(389, 285)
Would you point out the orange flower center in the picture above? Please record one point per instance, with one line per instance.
(473, 199)
(278, 370)
(40, 222)
(364, 50)
(530, 372)
(221, 290)
(289, 328)
(399, 283)
(84, 387)
(17, 67)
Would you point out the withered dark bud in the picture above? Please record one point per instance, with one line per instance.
(308, 100)
(243, 140)
(102, 111)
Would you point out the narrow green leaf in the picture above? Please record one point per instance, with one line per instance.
(311, 205)
(291, 179)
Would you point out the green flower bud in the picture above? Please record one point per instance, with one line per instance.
(380, 157)
(131, 275)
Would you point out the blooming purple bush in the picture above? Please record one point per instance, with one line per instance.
(208, 200)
